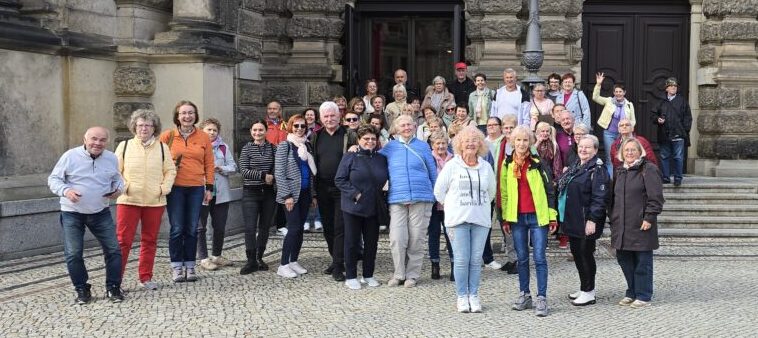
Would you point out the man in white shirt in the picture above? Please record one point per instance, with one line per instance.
(86, 178)
(508, 98)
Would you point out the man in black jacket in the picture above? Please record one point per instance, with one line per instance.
(462, 86)
(329, 143)
(674, 120)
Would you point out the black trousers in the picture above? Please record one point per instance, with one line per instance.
(328, 199)
(219, 213)
(583, 250)
(258, 209)
(357, 227)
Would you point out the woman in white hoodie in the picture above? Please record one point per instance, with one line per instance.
(466, 186)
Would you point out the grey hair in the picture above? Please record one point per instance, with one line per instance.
(583, 127)
(398, 120)
(439, 78)
(328, 106)
(593, 138)
(400, 88)
(149, 116)
(539, 84)
(510, 71)
(439, 135)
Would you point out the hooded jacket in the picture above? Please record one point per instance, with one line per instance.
(540, 182)
(466, 192)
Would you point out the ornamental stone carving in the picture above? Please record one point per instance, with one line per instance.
(250, 92)
(716, 98)
(731, 30)
(122, 113)
(251, 49)
(501, 28)
(133, 80)
(314, 27)
(318, 93)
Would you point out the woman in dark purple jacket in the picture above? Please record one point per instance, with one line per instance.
(634, 206)
(360, 177)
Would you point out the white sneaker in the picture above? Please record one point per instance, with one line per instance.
(353, 284)
(473, 301)
(150, 285)
(286, 272)
(208, 264)
(463, 305)
(317, 225)
(371, 281)
(382, 228)
(574, 295)
(306, 227)
(221, 261)
(585, 298)
(282, 231)
(494, 265)
(299, 269)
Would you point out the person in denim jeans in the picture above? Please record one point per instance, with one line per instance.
(528, 210)
(439, 142)
(85, 178)
(466, 186)
(673, 117)
(192, 151)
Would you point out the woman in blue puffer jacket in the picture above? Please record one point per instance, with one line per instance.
(412, 174)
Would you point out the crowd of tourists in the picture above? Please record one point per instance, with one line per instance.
(450, 163)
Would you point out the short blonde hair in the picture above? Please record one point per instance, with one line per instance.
(620, 154)
(400, 119)
(522, 131)
(438, 135)
(509, 119)
(470, 132)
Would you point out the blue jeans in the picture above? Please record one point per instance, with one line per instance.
(436, 222)
(638, 272)
(608, 138)
(293, 241)
(102, 227)
(183, 208)
(468, 245)
(523, 229)
(672, 150)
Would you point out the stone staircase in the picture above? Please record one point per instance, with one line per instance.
(711, 206)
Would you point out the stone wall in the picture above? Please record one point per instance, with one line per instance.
(728, 87)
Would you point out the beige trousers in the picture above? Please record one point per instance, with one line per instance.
(409, 224)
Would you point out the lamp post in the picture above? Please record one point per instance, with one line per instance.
(533, 54)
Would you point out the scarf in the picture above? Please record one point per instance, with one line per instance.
(569, 175)
(302, 150)
(619, 112)
(545, 150)
(217, 142)
(479, 102)
(636, 162)
(519, 160)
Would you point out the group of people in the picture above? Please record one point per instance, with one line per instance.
(451, 164)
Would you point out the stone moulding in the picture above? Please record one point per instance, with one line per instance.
(731, 30)
(133, 81)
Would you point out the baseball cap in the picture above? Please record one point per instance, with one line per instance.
(460, 65)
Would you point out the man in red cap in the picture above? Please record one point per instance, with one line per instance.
(462, 86)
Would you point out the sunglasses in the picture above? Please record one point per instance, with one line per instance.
(351, 119)
(298, 126)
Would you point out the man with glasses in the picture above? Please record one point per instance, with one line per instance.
(462, 86)
(329, 143)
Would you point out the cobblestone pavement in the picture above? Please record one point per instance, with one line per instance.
(704, 287)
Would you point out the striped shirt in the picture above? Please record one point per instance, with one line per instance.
(256, 161)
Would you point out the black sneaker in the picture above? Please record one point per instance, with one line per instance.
(83, 295)
(510, 267)
(115, 295)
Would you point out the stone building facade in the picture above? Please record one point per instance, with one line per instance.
(69, 64)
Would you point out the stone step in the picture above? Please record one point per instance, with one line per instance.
(707, 222)
(709, 188)
(711, 198)
(712, 210)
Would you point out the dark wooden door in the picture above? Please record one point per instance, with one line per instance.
(638, 45)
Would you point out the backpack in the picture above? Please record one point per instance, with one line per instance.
(126, 143)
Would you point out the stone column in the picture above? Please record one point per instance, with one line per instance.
(728, 89)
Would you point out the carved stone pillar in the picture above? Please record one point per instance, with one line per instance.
(195, 29)
(728, 88)
(134, 84)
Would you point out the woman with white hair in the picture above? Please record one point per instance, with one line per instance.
(439, 98)
(397, 107)
(412, 173)
(466, 185)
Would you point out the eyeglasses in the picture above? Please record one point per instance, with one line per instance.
(298, 126)
(144, 126)
(351, 119)
(493, 125)
(368, 139)
(539, 90)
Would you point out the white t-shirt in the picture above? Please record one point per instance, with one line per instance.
(466, 192)
(506, 102)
